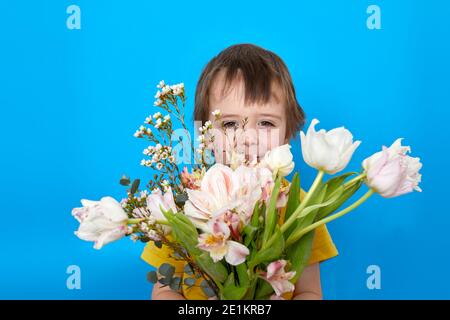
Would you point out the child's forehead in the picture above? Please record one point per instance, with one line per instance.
(235, 90)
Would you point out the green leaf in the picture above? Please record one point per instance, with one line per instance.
(124, 181)
(335, 196)
(231, 291)
(152, 277)
(345, 195)
(216, 270)
(135, 186)
(271, 216)
(271, 253)
(242, 273)
(249, 232)
(294, 196)
(175, 283)
(166, 270)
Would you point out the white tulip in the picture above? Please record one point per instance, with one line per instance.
(101, 221)
(279, 160)
(328, 151)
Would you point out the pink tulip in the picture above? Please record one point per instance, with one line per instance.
(391, 172)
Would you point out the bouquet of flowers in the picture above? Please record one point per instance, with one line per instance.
(223, 220)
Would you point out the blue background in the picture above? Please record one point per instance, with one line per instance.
(72, 99)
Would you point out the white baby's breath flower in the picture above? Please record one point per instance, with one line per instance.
(167, 117)
(161, 84)
(143, 194)
(158, 147)
(208, 124)
(157, 102)
(134, 237)
(157, 115)
(171, 159)
(216, 113)
(159, 166)
(165, 90)
(143, 162)
(165, 182)
(138, 134)
(142, 128)
(158, 94)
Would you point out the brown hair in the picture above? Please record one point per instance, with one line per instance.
(259, 68)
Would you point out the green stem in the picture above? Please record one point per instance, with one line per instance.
(351, 182)
(305, 201)
(293, 238)
(135, 221)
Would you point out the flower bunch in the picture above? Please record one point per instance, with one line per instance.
(223, 220)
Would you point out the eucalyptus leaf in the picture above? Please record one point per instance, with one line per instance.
(135, 186)
(207, 289)
(189, 282)
(166, 270)
(175, 283)
(152, 276)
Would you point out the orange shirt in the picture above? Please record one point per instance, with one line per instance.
(323, 249)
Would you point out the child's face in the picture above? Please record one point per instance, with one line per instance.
(266, 123)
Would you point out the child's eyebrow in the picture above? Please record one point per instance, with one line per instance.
(271, 115)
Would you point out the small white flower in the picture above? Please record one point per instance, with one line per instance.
(134, 237)
(201, 138)
(158, 146)
(161, 84)
(159, 166)
(216, 113)
(165, 90)
(138, 134)
(142, 128)
(157, 115)
(171, 159)
(208, 124)
(157, 102)
(143, 162)
(167, 118)
(143, 194)
(158, 94)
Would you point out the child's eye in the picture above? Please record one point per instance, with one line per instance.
(230, 124)
(266, 124)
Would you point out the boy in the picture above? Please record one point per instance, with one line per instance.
(248, 82)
